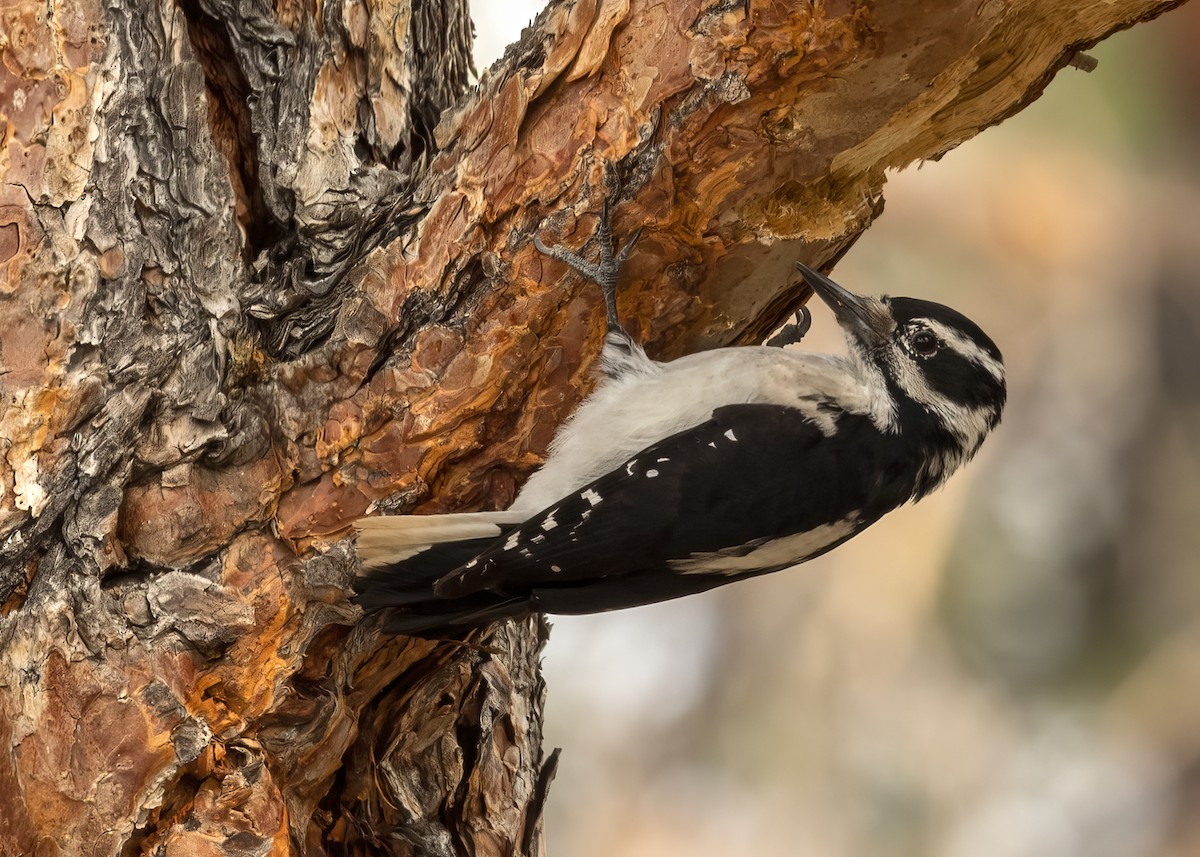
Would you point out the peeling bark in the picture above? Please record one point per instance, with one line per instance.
(253, 287)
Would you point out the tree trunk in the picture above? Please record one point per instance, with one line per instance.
(253, 288)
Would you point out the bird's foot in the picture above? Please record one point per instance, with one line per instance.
(792, 332)
(604, 272)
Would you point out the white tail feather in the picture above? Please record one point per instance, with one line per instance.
(388, 539)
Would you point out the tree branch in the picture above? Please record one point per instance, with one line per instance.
(251, 293)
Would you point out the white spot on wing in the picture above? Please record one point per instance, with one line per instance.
(661, 460)
(592, 497)
(729, 434)
(555, 568)
(549, 523)
(629, 467)
(513, 540)
(650, 474)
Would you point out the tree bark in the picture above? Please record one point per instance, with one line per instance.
(253, 287)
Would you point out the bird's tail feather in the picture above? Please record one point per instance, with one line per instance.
(431, 619)
(403, 556)
(410, 581)
(389, 539)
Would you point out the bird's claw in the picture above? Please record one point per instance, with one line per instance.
(603, 272)
(792, 332)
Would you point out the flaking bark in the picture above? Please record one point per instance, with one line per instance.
(254, 283)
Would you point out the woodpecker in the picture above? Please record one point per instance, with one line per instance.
(675, 477)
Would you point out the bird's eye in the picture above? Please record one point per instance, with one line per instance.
(925, 344)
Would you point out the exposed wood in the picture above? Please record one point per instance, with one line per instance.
(249, 293)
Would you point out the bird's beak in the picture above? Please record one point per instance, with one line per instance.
(866, 318)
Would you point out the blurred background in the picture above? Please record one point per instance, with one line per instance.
(1011, 668)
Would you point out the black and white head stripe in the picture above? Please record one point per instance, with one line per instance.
(943, 361)
(952, 329)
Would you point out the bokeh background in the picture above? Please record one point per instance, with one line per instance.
(1011, 668)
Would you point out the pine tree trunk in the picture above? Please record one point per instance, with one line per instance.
(252, 287)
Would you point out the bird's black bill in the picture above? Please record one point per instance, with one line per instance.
(852, 312)
(842, 301)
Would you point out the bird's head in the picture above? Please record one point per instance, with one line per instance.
(942, 371)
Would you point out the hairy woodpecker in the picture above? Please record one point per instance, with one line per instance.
(673, 478)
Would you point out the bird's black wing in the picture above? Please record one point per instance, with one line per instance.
(750, 474)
